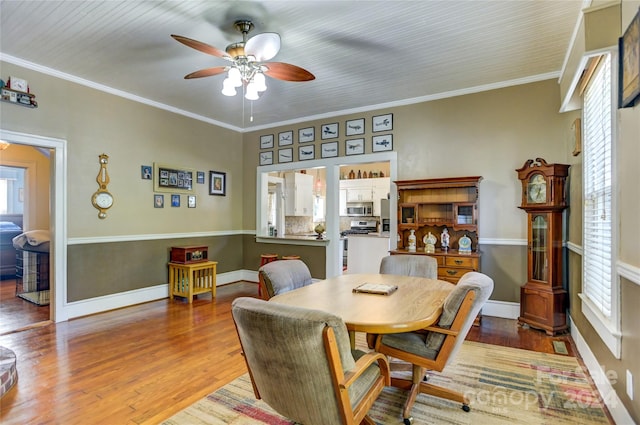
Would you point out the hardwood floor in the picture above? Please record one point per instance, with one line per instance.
(16, 313)
(142, 364)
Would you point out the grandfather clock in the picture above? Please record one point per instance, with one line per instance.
(543, 299)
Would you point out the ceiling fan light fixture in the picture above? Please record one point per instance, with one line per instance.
(246, 68)
(235, 76)
(252, 93)
(260, 82)
(228, 88)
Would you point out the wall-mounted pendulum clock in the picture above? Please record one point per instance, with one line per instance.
(543, 299)
(102, 199)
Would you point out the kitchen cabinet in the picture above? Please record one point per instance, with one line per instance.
(360, 194)
(298, 194)
(343, 202)
(364, 190)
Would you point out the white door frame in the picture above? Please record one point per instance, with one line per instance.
(58, 219)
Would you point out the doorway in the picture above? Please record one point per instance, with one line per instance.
(24, 291)
(55, 152)
(334, 248)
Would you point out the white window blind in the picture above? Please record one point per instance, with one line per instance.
(597, 189)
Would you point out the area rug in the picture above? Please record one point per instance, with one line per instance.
(505, 386)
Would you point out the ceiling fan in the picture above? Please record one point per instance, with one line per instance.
(248, 66)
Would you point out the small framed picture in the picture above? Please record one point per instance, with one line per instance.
(382, 143)
(200, 177)
(629, 64)
(285, 155)
(354, 147)
(285, 138)
(146, 172)
(217, 183)
(329, 150)
(158, 201)
(354, 127)
(266, 141)
(191, 201)
(382, 123)
(175, 200)
(266, 158)
(306, 135)
(306, 153)
(329, 131)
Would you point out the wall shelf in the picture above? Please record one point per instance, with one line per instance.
(15, 97)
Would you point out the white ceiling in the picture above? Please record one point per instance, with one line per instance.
(364, 54)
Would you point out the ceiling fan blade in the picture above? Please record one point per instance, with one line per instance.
(287, 72)
(203, 47)
(208, 72)
(263, 46)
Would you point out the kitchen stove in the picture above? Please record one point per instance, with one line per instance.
(361, 227)
(355, 232)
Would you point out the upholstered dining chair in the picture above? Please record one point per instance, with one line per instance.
(406, 265)
(410, 265)
(301, 364)
(436, 346)
(282, 276)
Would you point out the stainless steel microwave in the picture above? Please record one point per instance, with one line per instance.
(364, 209)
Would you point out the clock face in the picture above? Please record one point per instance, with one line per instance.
(537, 189)
(18, 84)
(103, 200)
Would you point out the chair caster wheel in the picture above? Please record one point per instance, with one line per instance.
(466, 407)
(408, 421)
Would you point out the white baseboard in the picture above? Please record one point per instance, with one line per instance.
(114, 301)
(599, 375)
(505, 310)
(143, 295)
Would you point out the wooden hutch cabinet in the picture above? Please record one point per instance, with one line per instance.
(430, 206)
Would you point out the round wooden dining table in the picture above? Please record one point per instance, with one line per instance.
(416, 304)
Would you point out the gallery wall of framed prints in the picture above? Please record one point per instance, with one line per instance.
(357, 139)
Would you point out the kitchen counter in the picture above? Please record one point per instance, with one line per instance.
(366, 251)
(303, 239)
(369, 235)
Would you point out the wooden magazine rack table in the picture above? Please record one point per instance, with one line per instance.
(187, 280)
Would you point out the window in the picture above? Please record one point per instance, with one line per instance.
(599, 284)
(12, 190)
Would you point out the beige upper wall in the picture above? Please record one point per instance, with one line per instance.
(488, 134)
(132, 134)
